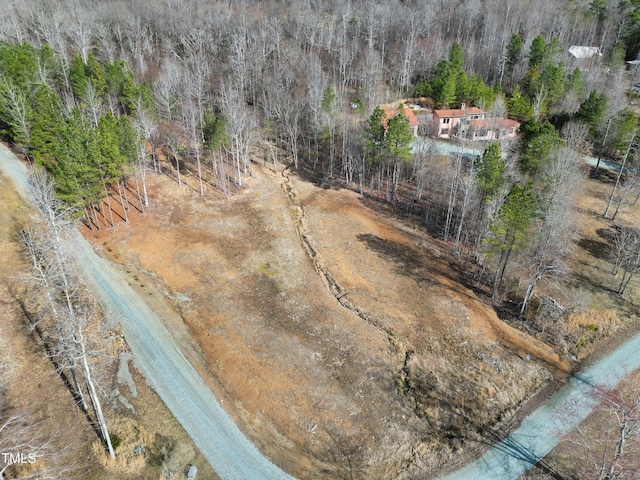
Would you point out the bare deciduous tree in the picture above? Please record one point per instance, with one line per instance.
(575, 135)
(241, 127)
(467, 192)
(608, 445)
(70, 314)
(193, 127)
(166, 89)
(554, 236)
(632, 148)
(284, 104)
(626, 254)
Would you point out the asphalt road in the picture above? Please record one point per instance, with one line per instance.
(159, 359)
(450, 148)
(545, 426)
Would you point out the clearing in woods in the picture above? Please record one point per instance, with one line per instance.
(335, 335)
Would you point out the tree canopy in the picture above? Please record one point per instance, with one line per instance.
(82, 153)
(538, 141)
(490, 171)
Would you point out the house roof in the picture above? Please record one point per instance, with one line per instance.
(458, 112)
(579, 51)
(493, 123)
(392, 112)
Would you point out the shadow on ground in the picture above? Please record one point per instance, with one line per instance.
(406, 261)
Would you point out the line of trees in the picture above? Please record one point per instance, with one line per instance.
(64, 316)
(237, 56)
(82, 135)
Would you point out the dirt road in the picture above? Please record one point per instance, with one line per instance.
(161, 362)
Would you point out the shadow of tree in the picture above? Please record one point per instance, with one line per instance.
(516, 449)
(605, 175)
(595, 248)
(406, 261)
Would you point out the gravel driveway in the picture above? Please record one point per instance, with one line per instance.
(159, 359)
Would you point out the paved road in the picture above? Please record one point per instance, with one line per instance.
(543, 428)
(159, 359)
(444, 147)
(449, 148)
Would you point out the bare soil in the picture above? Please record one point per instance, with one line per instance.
(337, 336)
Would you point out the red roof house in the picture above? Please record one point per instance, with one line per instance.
(413, 120)
(449, 122)
(493, 128)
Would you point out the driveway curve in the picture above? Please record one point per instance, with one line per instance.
(159, 359)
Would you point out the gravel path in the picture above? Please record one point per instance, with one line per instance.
(160, 360)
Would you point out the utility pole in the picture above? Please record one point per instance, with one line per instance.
(624, 161)
(604, 140)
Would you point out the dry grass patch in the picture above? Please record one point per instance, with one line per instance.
(583, 330)
(130, 441)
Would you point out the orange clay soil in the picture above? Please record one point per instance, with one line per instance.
(335, 335)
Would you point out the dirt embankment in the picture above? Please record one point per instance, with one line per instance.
(333, 334)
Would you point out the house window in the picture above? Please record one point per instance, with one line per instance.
(482, 133)
(446, 120)
(445, 131)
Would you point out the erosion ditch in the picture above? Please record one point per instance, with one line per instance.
(372, 385)
(329, 281)
(428, 396)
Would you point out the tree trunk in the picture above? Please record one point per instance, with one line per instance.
(123, 203)
(113, 224)
(615, 186)
(452, 197)
(95, 216)
(502, 266)
(175, 156)
(95, 399)
(528, 295)
(30, 244)
(139, 197)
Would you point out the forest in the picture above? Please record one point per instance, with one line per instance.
(96, 94)
(102, 94)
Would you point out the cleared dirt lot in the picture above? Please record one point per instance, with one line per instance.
(336, 336)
